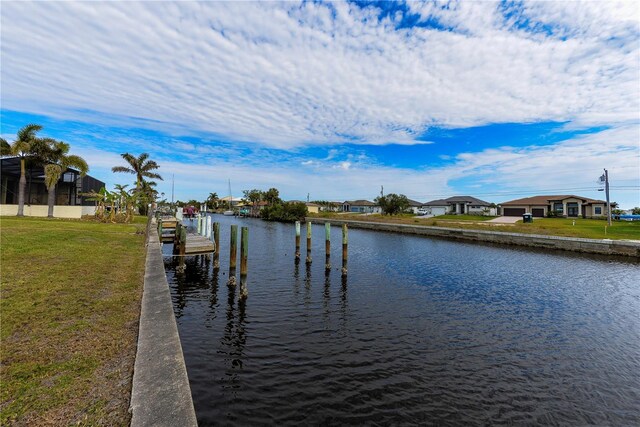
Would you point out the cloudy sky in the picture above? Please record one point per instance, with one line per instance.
(497, 100)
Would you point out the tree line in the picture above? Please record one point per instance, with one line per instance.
(51, 154)
(54, 157)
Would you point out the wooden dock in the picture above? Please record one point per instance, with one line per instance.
(169, 222)
(197, 244)
(167, 228)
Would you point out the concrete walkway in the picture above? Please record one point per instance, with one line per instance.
(161, 395)
(505, 220)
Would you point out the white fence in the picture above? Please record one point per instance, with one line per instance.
(42, 211)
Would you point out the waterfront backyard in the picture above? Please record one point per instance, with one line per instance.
(565, 227)
(70, 306)
(421, 331)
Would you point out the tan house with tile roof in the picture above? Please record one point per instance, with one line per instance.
(570, 206)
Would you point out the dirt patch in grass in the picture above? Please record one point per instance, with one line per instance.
(70, 306)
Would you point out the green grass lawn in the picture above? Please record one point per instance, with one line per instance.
(70, 307)
(464, 217)
(584, 228)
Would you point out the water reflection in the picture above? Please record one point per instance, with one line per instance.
(421, 329)
(234, 339)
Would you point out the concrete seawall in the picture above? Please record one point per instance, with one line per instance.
(161, 395)
(595, 246)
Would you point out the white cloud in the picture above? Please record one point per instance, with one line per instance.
(287, 74)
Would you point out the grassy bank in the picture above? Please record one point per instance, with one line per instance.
(583, 228)
(70, 306)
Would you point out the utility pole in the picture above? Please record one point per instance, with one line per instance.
(606, 189)
(382, 191)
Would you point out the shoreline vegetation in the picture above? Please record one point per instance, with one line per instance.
(71, 292)
(562, 227)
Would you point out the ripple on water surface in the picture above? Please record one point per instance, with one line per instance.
(423, 331)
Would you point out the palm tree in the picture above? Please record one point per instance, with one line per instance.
(213, 200)
(58, 162)
(139, 166)
(22, 147)
(99, 197)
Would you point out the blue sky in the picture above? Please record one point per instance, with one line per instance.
(494, 99)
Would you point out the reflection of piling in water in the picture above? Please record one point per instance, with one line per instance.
(345, 243)
(244, 252)
(216, 241)
(297, 256)
(308, 260)
(327, 247)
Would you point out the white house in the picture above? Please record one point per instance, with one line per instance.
(360, 206)
(459, 205)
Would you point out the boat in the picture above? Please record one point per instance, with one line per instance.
(230, 211)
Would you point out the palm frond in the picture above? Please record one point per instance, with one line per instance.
(76, 162)
(129, 158)
(28, 132)
(52, 173)
(152, 175)
(20, 148)
(5, 147)
(150, 165)
(122, 169)
(142, 157)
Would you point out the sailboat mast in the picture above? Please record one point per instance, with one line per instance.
(173, 178)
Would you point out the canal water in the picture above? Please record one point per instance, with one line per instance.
(423, 331)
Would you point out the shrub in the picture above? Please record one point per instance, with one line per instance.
(285, 212)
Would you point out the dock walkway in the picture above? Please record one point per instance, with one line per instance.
(197, 244)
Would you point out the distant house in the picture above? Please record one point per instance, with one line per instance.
(459, 205)
(69, 202)
(360, 206)
(330, 206)
(414, 206)
(235, 201)
(564, 205)
(311, 207)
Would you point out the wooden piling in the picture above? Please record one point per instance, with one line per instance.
(233, 248)
(208, 227)
(176, 238)
(216, 242)
(244, 252)
(182, 242)
(327, 246)
(308, 242)
(297, 256)
(160, 231)
(199, 224)
(345, 244)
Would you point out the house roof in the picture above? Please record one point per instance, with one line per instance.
(545, 200)
(457, 199)
(414, 203)
(360, 203)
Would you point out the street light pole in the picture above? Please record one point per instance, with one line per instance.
(606, 189)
